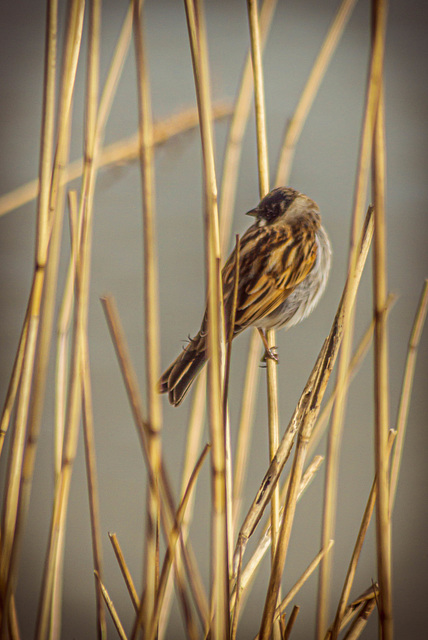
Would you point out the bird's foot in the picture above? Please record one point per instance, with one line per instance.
(270, 354)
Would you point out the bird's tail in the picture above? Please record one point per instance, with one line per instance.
(180, 374)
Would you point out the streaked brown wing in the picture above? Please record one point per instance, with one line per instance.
(273, 262)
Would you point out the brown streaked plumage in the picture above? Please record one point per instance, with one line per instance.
(284, 264)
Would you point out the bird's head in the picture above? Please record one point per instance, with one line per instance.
(281, 202)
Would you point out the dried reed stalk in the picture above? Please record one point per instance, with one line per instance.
(381, 381)
(219, 548)
(263, 173)
(151, 318)
(125, 571)
(409, 371)
(112, 609)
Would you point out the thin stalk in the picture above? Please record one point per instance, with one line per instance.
(381, 381)
(248, 573)
(91, 472)
(112, 610)
(219, 551)
(403, 409)
(14, 381)
(125, 571)
(263, 172)
(151, 313)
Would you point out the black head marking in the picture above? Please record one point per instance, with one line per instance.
(274, 204)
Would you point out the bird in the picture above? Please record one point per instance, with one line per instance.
(284, 264)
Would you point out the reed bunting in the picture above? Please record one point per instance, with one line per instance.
(284, 263)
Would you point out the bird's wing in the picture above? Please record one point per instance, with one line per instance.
(273, 261)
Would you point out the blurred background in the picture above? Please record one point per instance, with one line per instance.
(324, 169)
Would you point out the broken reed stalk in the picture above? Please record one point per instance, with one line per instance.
(151, 317)
(406, 390)
(357, 606)
(219, 549)
(330, 491)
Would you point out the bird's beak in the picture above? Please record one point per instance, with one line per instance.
(254, 213)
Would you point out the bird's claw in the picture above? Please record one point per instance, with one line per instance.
(270, 354)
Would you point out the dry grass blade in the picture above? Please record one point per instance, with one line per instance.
(409, 371)
(14, 381)
(125, 571)
(245, 421)
(110, 606)
(219, 554)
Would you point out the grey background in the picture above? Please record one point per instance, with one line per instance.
(324, 168)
